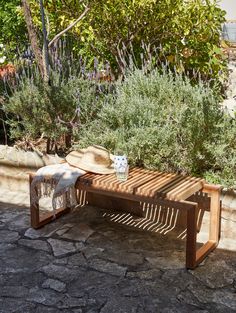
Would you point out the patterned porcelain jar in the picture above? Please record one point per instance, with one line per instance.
(121, 167)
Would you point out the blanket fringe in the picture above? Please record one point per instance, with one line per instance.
(45, 188)
(57, 182)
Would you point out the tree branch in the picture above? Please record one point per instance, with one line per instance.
(69, 27)
(33, 36)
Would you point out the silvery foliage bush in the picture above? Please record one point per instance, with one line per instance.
(162, 122)
(54, 110)
(223, 169)
(36, 108)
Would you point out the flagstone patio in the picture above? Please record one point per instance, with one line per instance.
(85, 263)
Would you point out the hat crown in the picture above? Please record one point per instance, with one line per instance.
(96, 155)
(94, 159)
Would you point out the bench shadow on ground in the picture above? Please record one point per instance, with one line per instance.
(166, 223)
(143, 216)
(163, 220)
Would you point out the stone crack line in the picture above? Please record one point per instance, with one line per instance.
(193, 298)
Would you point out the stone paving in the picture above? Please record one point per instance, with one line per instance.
(84, 263)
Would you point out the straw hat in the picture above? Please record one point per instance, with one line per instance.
(94, 159)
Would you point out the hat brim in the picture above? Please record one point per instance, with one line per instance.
(74, 159)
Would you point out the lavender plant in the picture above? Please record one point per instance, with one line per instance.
(165, 123)
(53, 110)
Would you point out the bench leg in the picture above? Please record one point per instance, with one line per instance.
(215, 212)
(191, 240)
(194, 256)
(36, 220)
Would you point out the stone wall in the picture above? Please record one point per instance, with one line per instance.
(16, 164)
(229, 104)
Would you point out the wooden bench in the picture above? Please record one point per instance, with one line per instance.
(184, 193)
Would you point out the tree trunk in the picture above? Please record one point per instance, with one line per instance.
(33, 36)
(45, 45)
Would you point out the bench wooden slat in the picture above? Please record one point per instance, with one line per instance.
(106, 182)
(174, 183)
(110, 182)
(151, 187)
(134, 175)
(186, 189)
(140, 178)
(181, 185)
(150, 178)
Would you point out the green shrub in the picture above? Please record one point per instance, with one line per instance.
(187, 33)
(54, 110)
(163, 122)
(223, 171)
(159, 119)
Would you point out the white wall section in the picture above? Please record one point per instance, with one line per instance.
(230, 7)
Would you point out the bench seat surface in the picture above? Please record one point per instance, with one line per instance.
(146, 183)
